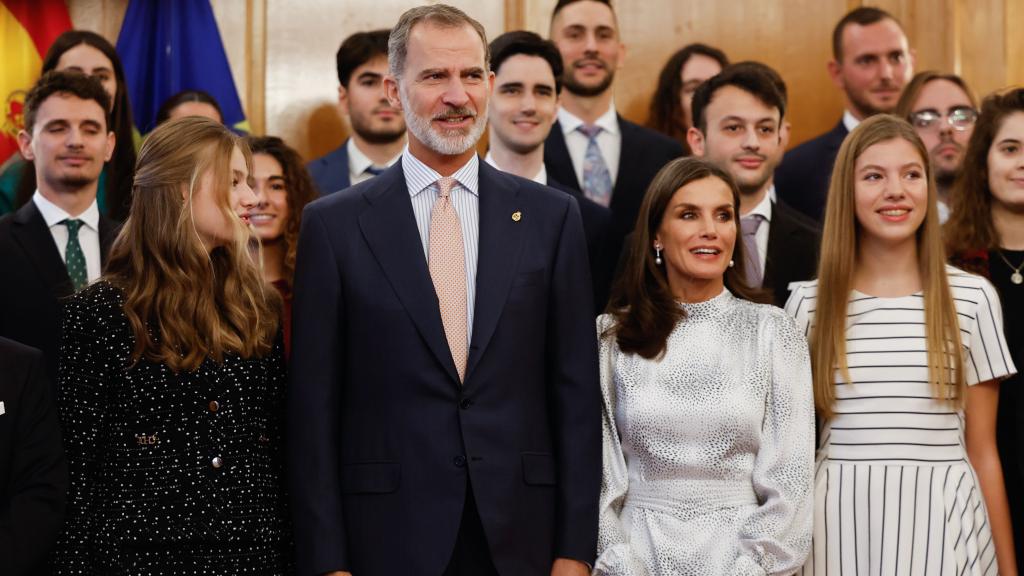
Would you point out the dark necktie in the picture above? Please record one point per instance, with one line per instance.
(374, 170)
(74, 259)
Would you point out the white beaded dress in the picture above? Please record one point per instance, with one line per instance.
(708, 450)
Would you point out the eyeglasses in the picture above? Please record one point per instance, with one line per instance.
(960, 119)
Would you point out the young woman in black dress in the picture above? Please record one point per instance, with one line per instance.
(172, 378)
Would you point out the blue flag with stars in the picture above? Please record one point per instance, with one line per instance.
(167, 46)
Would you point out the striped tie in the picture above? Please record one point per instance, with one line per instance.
(74, 259)
(447, 264)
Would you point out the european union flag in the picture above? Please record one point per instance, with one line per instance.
(167, 46)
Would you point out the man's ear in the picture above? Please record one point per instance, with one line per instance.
(695, 138)
(343, 100)
(391, 90)
(25, 145)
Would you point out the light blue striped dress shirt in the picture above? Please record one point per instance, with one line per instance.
(422, 182)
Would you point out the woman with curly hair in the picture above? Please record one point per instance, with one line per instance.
(283, 188)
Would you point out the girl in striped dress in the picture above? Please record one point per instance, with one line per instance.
(908, 479)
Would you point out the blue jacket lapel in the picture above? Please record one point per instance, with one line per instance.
(389, 227)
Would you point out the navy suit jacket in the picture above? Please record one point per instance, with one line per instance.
(330, 171)
(597, 225)
(793, 244)
(802, 179)
(36, 281)
(384, 440)
(33, 471)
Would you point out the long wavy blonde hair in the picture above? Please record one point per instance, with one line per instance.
(839, 245)
(185, 304)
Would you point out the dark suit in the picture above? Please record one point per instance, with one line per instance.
(33, 472)
(793, 242)
(330, 171)
(384, 441)
(597, 223)
(36, 280)
(803, 177)
(643, 153)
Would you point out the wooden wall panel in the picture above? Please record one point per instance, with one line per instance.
(282, 53)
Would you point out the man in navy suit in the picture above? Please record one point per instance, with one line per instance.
(872, 62)
(444, 410)
(527, 81)
(591, 148)
(377, 129)
(738, 121)
(59, 241)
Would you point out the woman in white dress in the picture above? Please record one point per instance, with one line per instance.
(907, 462)
(708, 410)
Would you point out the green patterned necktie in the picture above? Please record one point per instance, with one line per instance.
(74, 259)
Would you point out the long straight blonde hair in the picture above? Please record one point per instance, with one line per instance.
(184, 304)
(839, 246)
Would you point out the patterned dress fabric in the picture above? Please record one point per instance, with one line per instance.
(708, 450)
(894, 491)
(171, 474)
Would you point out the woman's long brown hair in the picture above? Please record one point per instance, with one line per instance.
(836, 268)
(185, 304)
(644, 308)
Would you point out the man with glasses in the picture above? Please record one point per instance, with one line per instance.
(943, 111)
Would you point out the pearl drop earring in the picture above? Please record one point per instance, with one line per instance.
(657, 255)
(731, 263)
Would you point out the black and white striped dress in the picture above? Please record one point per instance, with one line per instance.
(894, 492)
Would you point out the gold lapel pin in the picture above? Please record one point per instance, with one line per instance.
(517, 216)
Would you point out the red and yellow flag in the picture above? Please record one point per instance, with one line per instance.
(27, 29)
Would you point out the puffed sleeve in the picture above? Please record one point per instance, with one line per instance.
(614, 557)
(83, 380)
(776, 538)
(799, 306)
(988, 357)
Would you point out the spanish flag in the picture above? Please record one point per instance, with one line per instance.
(27, 29)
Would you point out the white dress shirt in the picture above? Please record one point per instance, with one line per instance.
(764, 208)
(422, 183)
(359, 162)
(609, 141)
(850, 121)
(88, 234)
(540, 178)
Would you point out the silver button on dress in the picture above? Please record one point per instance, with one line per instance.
(708, 450)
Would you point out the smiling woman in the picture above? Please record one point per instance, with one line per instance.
(690, 371)
(283, 188)
(907, 354)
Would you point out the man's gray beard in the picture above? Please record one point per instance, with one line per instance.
(570, 84)
(447, 145)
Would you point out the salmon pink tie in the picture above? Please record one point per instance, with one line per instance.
(447, 263)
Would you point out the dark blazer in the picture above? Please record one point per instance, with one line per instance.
(644, 152)
(597, 223)
(803, 177)
(330, 171)
(793, 243)
(33, 472)
(36, 280)
(383, 439)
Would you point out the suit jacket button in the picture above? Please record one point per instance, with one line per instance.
(217, 462)
(466, 403)
(459, 461)
(213, 406)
